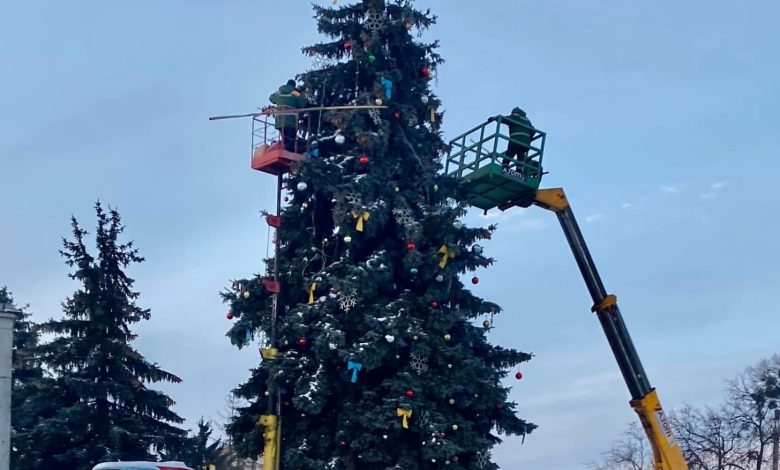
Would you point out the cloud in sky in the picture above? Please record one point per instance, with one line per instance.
(714, 189)
(594, 217)
(669, 189)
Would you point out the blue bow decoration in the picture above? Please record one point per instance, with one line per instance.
(354, 367)
(388, 85)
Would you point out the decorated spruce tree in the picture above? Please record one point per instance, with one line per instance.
(383, 358)
(97, 406)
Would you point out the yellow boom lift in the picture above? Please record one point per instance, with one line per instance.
(493, 179)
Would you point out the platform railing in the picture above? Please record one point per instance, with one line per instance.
(266, 132)
(479, 147)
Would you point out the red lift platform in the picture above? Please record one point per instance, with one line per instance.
(274, 159)
(270, 153)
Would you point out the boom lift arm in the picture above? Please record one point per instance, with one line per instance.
(644, 400)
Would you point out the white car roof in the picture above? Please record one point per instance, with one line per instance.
(138, 465)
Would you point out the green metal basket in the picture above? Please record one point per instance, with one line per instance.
(477, 160)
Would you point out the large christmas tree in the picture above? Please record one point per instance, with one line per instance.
(383, 359)
(96, 405)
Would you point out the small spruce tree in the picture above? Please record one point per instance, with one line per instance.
(381, 364)
(200, 450)
(104, 410)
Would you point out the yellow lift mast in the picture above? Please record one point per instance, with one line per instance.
(493, 179)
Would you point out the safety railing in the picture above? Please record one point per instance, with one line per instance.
(283, 125)
(487, 144)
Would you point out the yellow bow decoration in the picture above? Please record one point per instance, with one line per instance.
(405, 414)
(361, 217)
(446, 255)
(311, 292)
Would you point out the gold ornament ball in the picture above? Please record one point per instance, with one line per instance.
(414, 337)
(486, 323)
(454, 427)
(452, 401)
(305, 205)
(447, 337)
(246, 294)
(378, 101)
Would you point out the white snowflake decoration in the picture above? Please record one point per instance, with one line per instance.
(403, 216)
(376, 117)
(374, 21)
(423, 419)
(321, 62)
(419, 363)
(353, 199)
(411, 121)
(483, 459)
(347, 302)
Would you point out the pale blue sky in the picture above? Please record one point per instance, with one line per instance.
(662, 127)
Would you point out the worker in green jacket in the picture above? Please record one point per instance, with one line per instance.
(520, 135)
(288, 96)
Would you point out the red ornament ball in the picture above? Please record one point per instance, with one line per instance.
(229, 316)
(500, 406)
(426, 72)
(410, 393)
(303, 341)
(397, 115)
(434, 304)
(410, 246)
(363, 160)
(519, 375)
(475, 280)
(347, 45)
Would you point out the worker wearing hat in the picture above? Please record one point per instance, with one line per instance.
(290, 98)
(520, 135)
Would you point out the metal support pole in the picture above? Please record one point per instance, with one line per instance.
(776, 442)
(8, 313)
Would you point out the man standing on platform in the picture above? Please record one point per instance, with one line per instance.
(288, 98)
(520, 135)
